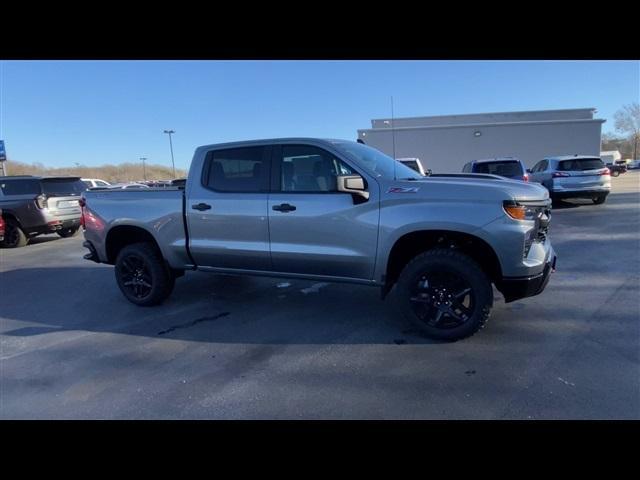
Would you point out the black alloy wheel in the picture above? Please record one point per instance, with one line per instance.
(445, 294)
(442, 299)
(136, 276)
(142, 274)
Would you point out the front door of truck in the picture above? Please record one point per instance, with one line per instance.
(226, 210)
(314, 229)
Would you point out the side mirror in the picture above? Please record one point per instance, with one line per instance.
(353, 184)
(429, 172)
(528, 170)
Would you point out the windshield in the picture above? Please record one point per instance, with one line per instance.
(375, 162)
(63, 186)
(505, 169)
(580, 164)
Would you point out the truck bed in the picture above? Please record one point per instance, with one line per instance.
(159, 210)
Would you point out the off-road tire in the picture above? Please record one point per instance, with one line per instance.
(455, 264)
(154, 268)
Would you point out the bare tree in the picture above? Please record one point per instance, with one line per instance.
(627, 121)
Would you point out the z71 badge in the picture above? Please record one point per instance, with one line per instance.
(403, 189)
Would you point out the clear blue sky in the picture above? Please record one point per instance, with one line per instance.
(94, 112)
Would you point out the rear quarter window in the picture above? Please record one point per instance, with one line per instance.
(20, 187)
(63, 187)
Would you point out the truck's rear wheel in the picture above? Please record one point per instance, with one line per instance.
(599, 200)
(142, 275)
(445, 294)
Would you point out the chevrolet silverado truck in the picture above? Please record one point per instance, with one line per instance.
(331, 210)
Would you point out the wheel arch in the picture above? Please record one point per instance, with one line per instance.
(120, 236)
(413, 243)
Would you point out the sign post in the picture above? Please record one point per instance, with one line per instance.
(3, 159)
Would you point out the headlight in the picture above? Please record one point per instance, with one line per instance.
(524, 211)
(537, 212)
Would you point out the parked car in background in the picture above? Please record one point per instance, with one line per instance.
(635, 164)
(577, 176)
(127, 186)
(1, 227)
(331, 210)
(508, 167)
(38, 205)
(95, 182)
(616, 168)
(156, 183)
(415, 164)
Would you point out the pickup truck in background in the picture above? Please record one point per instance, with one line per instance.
(415, 164)
(331, 210)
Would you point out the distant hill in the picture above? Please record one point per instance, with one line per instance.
(123, 172)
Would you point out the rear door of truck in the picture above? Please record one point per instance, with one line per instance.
(226, 209)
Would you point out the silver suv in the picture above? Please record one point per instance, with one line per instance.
(38, 205)
(577, 176)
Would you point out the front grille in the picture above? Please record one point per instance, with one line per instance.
(542, 225)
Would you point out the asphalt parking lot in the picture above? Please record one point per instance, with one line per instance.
(256, 348)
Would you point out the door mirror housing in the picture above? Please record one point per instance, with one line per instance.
(353, 184)
(528, 170)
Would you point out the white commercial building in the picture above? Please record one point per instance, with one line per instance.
(445, 143)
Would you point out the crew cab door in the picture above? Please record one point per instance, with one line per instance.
(314, 229)
(226, 210)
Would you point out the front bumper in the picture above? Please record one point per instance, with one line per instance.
(515, 288)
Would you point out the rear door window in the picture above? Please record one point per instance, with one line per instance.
(580, 164)
(62, 186)
(243, 170)
(20, 187)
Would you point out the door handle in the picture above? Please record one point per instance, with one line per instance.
(284, 207)
(201, 206)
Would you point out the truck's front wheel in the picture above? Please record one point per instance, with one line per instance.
(445, 294)
(142, 275)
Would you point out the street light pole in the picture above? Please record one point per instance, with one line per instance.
(144, 169)
(169, 132)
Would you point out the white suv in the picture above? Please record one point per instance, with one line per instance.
(577, 176)
(95, 182)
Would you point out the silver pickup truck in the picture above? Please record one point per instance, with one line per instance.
(331, 210)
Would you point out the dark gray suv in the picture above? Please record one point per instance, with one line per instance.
(37, 205)
(507, 167)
